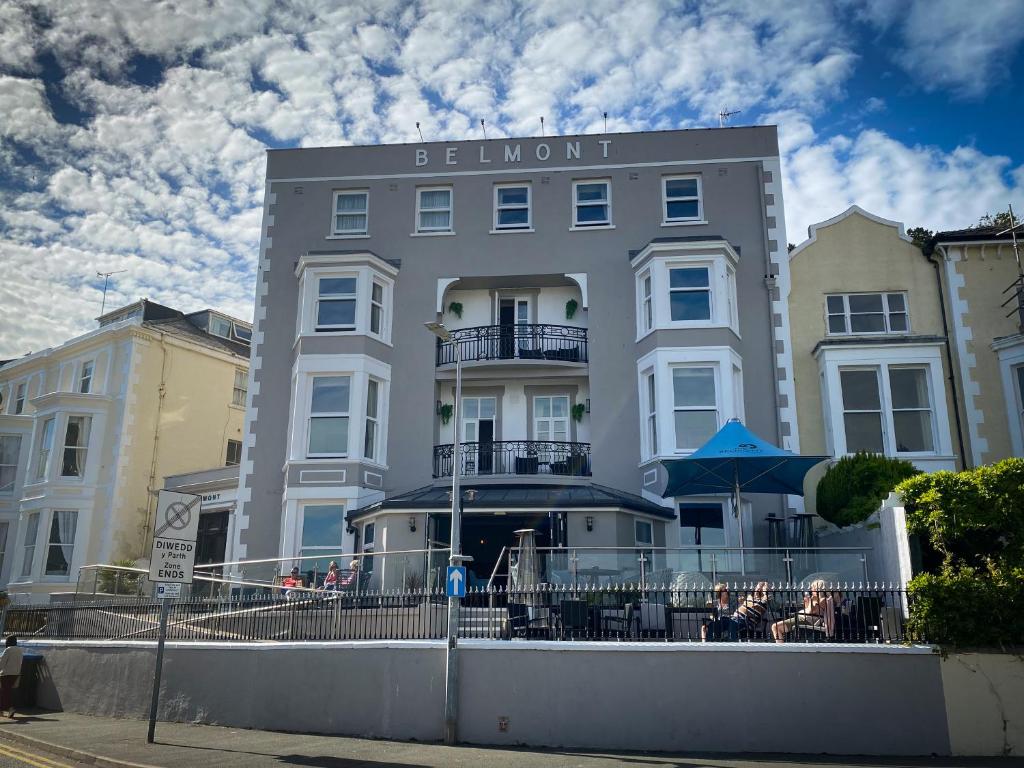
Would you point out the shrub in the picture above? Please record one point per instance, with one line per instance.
(855, 486)
(112, 582)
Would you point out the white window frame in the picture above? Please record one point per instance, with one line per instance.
(44, 454)
(312, 269)
(353, 297)
(17, 461)
(499, 207)
(668, 221)
(661, 362)
(832, 359)
(328, 550)
(346, 414)
(551, 420)
(217, 318)
(646, 312)
(372, 420)
(240, 387)
(28, 548)
(75, 538)
(608, 223)
(82, 448)
(381, 306)
(20, 396)
(85, 376)
(716, 409)
(343, 234)
(367, 548)
(450, 229)
(1011, 357)
(886, 312)
(708, 289)
(649, 406)
(227, 453)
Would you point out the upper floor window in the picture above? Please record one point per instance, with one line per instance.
(377, 308)
(650, 410)
(853, 313)
(681, 199)
(323, 528)
(60, 547)
(239, 389)
(220, 327)
(434, 209)
(646, 302)
(45, 448)
(592, 203)
(643, 533)
(328, 416)
(234, 453)
(19, 398)
(76, 444)
(372, 419)
(10, 449)
(336, 304)
(512, 206)
(695, 403)
(29, 548)
(901, 422)
(689, 293)
(351, 212)
(85, 380)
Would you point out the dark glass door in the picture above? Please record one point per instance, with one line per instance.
(212, 538)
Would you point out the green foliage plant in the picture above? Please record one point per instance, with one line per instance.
(855, 486)
(570, 308)
(455, 308)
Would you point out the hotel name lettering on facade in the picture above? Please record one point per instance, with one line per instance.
(513, 153)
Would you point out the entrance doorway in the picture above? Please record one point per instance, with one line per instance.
(212, 537)
(511, 313)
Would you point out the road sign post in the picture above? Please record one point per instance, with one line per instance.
(456, 581)
(171, 562)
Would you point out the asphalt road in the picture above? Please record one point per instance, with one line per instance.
(17, 756)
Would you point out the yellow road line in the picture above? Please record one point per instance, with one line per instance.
(30, 757)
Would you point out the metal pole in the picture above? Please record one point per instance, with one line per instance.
(739, 513)
(451, 689)
(165, 608)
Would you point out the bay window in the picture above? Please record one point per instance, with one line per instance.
(76, 446)
(345, 294)
(328, 416)
(336, 304)
(689, 293)
(862, 410)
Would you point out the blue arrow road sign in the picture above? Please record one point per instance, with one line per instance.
(456, 581)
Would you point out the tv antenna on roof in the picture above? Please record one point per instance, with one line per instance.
(606, 122)
(418, 130)
(483, 127)
(106, 279)
(542, 125)
(724, 116)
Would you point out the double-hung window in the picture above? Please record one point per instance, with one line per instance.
(10, 448)
(29, 548)
(512, 207)
(372, 419)
(854, 313)
(45, 448)
(369, 534)
(592, 203)
(862, 410)
(434, 209)
(351, 212)
(377, 308)
(689, 293)
(551, 418)
(695, 405)
(233, 457)
(328, 417)
(911, 410)
(903, 420)
(60, 547)
(681, 199)
(19, 399)
(239, 389)
(85, 380)
(219, 326)
(647, 302)
(323, 526)
(650, 414)
(336, 304)
(76, 445)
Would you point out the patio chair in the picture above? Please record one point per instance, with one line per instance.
(573, 618)
(521, 624)
(867, 619)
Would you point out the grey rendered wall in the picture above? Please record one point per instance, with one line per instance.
(301, 181)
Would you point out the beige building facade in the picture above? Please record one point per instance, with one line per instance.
(89, 429)
(870, 353)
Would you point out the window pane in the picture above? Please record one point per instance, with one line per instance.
(688, 277)
(543, 407)
(896, 303)
(909, 388)
(375, 319)
(683, 209)
(332, 286)
(681, 188)
(1019, 370)
(487, 407)
(330, 394)
(835, 305)
(644, 532)
(898, 321)
(336, 312)
(356, 202)
(865, 302)
(587, 192)
(694, 386)
(913, 431)
(559, 407)
(513, 217)
(863, 432)
(592, 213)
(860, 390)
(377, 293)
(471, 407)
(371, 398)
(328, 435)
(61, 543)
(438, 198)
(837, 324)
(435, 220)
(867, 323)
(322, 525)
(512, 196)
(350, 223)
(690, 305)
(694, 428)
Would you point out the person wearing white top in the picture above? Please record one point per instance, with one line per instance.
(10, 670)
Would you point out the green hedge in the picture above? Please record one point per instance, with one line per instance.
(855, 486)
(975, 521)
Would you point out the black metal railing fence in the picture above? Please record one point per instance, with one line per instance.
(514, 457)
(554, 343)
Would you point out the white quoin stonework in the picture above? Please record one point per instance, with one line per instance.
(513, 153)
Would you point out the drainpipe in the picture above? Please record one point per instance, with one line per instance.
(930, 254)
(151, 491)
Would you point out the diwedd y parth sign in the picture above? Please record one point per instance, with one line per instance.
(174, 541)
(512, 152)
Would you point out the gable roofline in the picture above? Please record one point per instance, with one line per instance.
(812, 231)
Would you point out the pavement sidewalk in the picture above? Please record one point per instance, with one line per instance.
(112, 743)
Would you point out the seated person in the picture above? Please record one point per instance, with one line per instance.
(291, 581)
(751, 611)
(720, 621)
(818, 611)
(350, 577)
(331, 579)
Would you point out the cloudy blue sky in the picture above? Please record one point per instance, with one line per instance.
(132, 134)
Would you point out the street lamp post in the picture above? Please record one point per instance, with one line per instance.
(451, 689)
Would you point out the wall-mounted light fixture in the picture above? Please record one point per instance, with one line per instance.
(412, 523)
(350, 529)
(588, 405)
(590, 523)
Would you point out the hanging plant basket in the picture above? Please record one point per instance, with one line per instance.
(577, 412)
(455, 308)
(570, 308)
(445, 413)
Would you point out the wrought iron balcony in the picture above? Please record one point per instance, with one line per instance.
(552, 343)
(515, 457)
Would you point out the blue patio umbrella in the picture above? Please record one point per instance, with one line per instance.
(736, 460)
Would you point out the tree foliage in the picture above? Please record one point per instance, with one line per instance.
(920, 236)
(1001, 220)
(855, 486)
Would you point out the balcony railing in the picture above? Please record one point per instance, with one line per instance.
(515, 457)
(553, 343)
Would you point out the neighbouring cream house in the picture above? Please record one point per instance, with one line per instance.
(89, 429)
(870, 353)
(982, 283)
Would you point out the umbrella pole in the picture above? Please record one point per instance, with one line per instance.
(738, 511)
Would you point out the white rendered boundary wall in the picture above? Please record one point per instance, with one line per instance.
(864, 699)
